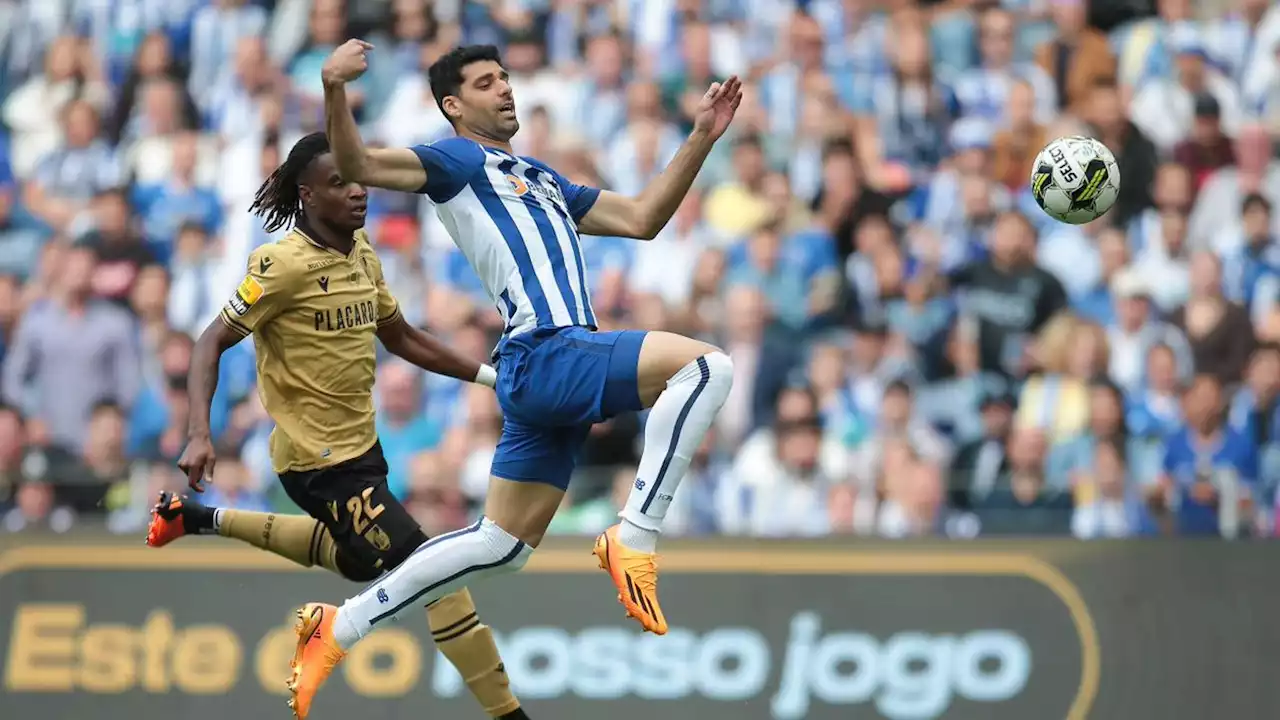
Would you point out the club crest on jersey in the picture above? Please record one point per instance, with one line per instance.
(249, 292)
(518, 185)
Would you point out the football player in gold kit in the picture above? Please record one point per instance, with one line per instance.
(314, 302)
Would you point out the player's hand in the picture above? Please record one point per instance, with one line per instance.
(347, 63)
(197, 461)
(715, 110)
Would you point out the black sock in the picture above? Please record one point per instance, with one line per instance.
(197, 518)
(517, 714)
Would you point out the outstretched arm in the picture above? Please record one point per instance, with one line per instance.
(427, 352)
(644, 215)
(391, 168)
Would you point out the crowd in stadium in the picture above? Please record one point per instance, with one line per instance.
(918, 349)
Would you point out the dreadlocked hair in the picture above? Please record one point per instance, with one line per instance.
(277, 200)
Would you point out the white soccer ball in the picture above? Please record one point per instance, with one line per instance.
(1075, 179)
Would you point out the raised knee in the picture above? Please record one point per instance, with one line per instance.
(719, 369)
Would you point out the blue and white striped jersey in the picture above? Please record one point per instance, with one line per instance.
(515, 219)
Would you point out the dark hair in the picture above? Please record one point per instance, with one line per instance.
(1255, 200)
(899, 387)
(106, 405)
(445, 74)
(277, 200)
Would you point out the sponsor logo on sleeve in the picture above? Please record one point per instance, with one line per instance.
(249, 292)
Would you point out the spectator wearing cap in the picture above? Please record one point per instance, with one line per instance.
(1165, 109)
(980, 461)
(1207, 148)
(1077, 57)
(1135, 153)
(70, 353)
(1136, 330)
(970, 142)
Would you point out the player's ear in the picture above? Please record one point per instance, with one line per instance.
(304, 194)
(451, 107)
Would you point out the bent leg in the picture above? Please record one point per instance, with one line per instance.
(531, 469)
(686, 383)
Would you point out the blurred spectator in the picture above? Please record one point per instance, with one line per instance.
(1136, 331)
(34, 110)
(1078, 57)
(1155, 410)
(1008, 296)
(1209, 469)
(781, 480)
(70, 353)
(1055, 401)
(153, 61)
(1166, 109)
(120, 250)
(166, 207)
(979, 463)
(1217, 207)
(1251, 260)
(983, 91)
(1135, 153)
(1220, 333)
(67, 178)
(1017, 145)
(403, 428)
(1207, 148)
(899, 435)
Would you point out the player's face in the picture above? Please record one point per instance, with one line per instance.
(330, 199)
(485, 102)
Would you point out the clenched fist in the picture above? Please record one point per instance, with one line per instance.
(347, 63)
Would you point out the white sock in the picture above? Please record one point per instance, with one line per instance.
(676, 426)
(438, 567)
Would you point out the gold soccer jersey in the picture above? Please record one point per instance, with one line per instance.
(314, 314)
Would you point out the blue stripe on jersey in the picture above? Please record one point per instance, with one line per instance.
(493, 207)
(508, 311)
(549, 241)
(570, 229)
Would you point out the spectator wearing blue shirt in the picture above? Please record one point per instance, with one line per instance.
(166, 207)
(1255, 412)
(403, 428)
(1155, 409)
(1209, 469)
(456, 295)
(1097, 304)
(765, 264)
(1251, 269)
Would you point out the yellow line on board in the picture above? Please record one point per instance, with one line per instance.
(745, 561)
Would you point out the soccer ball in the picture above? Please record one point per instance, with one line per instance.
(1075, 179)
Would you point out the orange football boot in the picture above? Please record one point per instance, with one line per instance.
(315, 658)
(173, 517)
(635, 574)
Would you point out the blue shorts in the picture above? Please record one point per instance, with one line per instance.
(553, 385)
